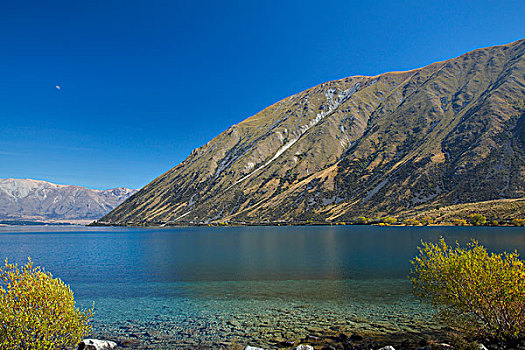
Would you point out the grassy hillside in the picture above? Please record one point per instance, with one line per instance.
(449, 133)
(502, 210)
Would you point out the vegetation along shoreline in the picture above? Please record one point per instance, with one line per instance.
(505, 212)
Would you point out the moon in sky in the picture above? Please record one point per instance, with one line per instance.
(57, 87)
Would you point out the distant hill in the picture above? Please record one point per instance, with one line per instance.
(449, 133)
(34, 200)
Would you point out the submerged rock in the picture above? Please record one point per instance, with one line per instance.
(287, 343)
(304, 347)
(343, 337)
(252, 348)
(388, 347)
(310, 337)
(328, 347)
(95, 344)
(129, 342)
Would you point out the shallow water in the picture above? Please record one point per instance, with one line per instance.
(174, 288)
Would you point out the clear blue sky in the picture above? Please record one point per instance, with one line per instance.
(145, 82)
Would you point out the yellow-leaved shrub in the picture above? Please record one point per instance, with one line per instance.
(38, 311)
(478, 294)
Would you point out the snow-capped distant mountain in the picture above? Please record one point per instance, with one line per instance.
(26, 199)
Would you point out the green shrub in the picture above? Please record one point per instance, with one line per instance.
(518, 222)
(362, 220)
(460, 343)
(477, 219)
(478, 294)
(411, 222)
(459, 222)
(426, 220)
(38, 311)
(388, 220)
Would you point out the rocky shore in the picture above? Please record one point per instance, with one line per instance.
(328, 341)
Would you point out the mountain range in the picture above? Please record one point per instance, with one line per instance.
(34, 200)
(449, 133)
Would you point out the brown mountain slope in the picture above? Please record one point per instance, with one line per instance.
(452, 132)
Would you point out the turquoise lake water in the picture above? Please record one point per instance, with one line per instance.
(209, 286)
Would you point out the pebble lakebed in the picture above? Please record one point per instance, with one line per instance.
(269, 328)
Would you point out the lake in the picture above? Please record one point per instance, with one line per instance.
(181, 287)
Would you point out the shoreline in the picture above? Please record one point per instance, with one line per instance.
(498, 212)
(235, 224)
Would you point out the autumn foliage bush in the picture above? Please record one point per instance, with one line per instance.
(476, 219)
(478, 294)
(38, 311)
(411, 222)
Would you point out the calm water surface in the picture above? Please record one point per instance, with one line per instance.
(177, 287)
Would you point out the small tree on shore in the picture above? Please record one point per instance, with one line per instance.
(362, 220)
(518, 222)
(478, 294)
(426, 220)
(37, 311)
(388, 220)
(477, 219)
(411, 222)
(459, 222)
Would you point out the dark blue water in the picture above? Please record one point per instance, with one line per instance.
(176, 287)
